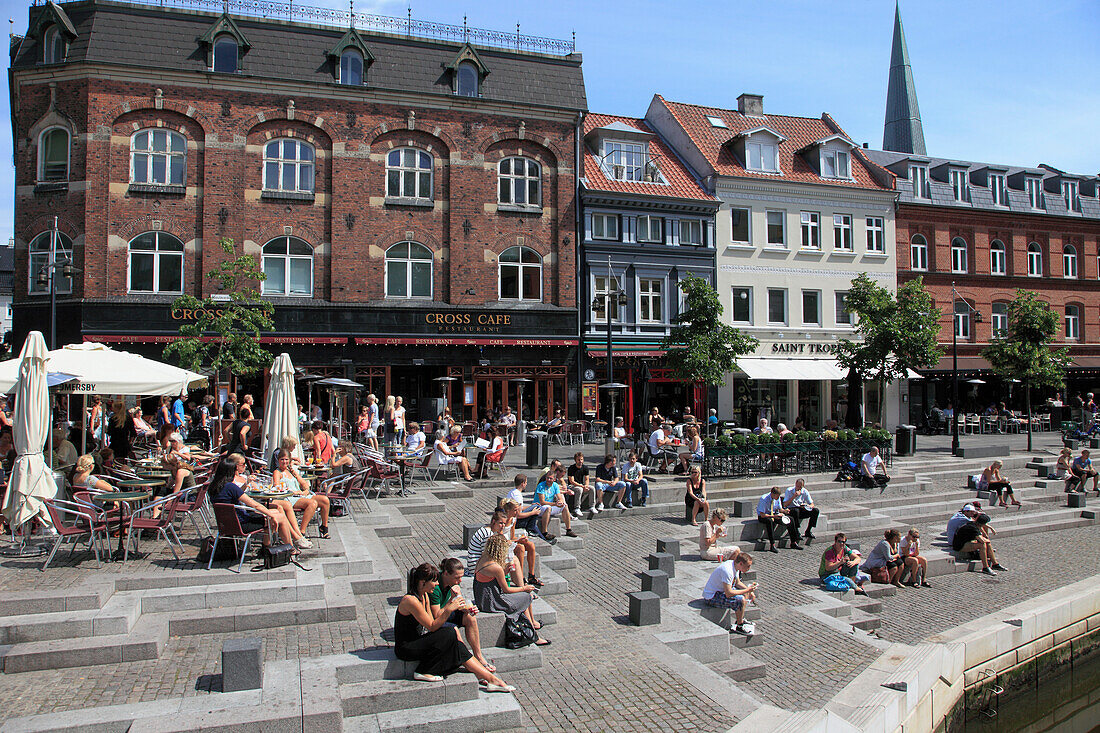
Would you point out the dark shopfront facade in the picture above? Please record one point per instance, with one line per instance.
(390, 350)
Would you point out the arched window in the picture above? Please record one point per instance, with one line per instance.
(918, 252)
(962, 319)
(351, 67)
(157, 156)
(520, 182)
(959, 261)
(40, 257)
(408, 271)
(997, 258)
(467, 79)
(288, 166)
(409, 174)
(1073, 322)
(1069, 261)
(53, 46)
(156, 264)
(520, 274)
(288, 266)
(226, 55)
(53, 154)
(1034, 260)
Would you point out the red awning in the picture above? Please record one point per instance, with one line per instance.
(628, 352)
(459, 341)
(140, 338)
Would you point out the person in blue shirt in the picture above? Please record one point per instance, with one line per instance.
(179, 414)
(1082, 469)
(770, 513)
(548, 493)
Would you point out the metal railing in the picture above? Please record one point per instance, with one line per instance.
(406, 26)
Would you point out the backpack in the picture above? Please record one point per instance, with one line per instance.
(848, 472)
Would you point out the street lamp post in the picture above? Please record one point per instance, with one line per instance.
(620, 299)
(955, 364)
(47, 275)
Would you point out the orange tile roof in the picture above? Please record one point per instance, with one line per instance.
(799, 131)
(681, 182)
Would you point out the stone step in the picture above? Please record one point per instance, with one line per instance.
(863, 620)
(381, 696)
(488, 712)
(22, 604)
(250, 618)
(868, 607)
(741, 666)
(568, 543)
(380, 664)
(456, 492)
(879, 591)
(415, 505)
(490, 626)
(144, 642)
(381, 581)
(117, 617)
(740, 641)
(559, 560)
(302, 588)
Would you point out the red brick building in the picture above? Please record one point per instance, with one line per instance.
(411, 200)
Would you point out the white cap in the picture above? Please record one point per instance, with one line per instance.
(175, 438)
(969, 508)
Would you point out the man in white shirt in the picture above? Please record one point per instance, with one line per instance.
(530, 515)
(658, 440)
(770, 513)
(800, 505)
(725, 589)
(415, 440)
(868, 470)
(509, 420)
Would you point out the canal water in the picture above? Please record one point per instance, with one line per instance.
(1068, 702)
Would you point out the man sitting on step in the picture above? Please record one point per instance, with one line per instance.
(869, 477)
(797, 501)
(1082, 470)
(960, 518)
(725, 589)
(771, 514)
(548, 494)
(451, 571)
(530, 515)
(974, 537)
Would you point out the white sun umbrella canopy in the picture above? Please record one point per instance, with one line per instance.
(102, 370)
(281, 409)
(31, 481)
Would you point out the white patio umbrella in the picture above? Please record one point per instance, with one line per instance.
(103, 370)
(281, 408)
(31, 481)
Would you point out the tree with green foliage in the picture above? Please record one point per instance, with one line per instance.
(701, 348)
(1023, 351)
(895, 333)
(225, 333)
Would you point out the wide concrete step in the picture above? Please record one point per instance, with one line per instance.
(145, 642)
(266, 616)
(22, 604)
(381, 696)
(116, 617)
(488, 712)
(301, 588)
(454, 492)
(741, 666)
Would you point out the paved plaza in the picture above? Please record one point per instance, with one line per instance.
(600, 673)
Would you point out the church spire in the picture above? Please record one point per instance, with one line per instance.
(903, 132)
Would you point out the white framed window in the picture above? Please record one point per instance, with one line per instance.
(959, 262)
(156, 264)
(1034, 188)
(53, 46)
(351, 67)
(288, 166)
(157, 156)
(842, 232)
(918, 176)
(624, 161)
(997, 258)
(468, 80)
(520, 182)
(739, 225)
(691, 232)
(651, 229)
(998, 189)
(762, 156)
(1071, 195)
(777, 306)
(741, 311)
(1069, 261)
(1073, 322)
(777, 228)
(811, 230)
(409, 174)
(876, 234)
(40, 257)
(843, 315)
(409, 271)
(53, 154)
(836, 164)
(962, 320)
(811, 307)
(520, 274)
(226, 55)
(999, 318)
(918, 252)
(288, 265)
(600, 290)
(605, 226)
(650, 300)
(960, 186)
(717, 122)
(1034, 260)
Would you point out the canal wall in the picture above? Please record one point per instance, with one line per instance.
(934, 685)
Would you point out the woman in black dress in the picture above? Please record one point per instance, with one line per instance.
(421, 637)
(121, 431)
(237, 435)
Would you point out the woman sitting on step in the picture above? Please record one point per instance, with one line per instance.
(492, 592)
(992, 480)
(420, 637)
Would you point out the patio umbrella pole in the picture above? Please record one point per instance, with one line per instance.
(83, 430)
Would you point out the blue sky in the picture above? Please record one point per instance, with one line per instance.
(1012, 81)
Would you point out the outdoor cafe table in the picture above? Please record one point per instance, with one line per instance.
(403, 458)
(125, 500)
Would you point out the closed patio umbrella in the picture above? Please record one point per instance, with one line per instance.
(281, 408)
(31, 481)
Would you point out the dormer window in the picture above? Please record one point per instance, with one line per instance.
(918, 175)
(1034, 188)
(226, 54)
(762, 156)
(624, 161)
(53, 46)
(717, 122)
(351, 67)
(1070, 194)
(960, 186)
(998, 189)
(835, 164)
(467, 80)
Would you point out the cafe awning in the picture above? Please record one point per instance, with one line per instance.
(770, 367)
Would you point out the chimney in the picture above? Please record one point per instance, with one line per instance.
(751, 104)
